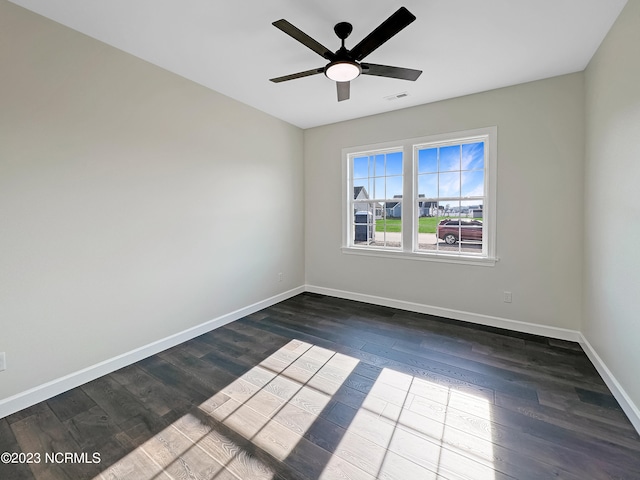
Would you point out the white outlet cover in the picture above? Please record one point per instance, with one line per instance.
(3, 361)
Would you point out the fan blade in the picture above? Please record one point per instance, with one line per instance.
(304, 39)
(392, 72)
(293, 76)
(344, 89)
(387, 29)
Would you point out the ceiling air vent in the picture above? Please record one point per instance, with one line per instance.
(396, 96)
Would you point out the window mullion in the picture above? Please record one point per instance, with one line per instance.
(408, 207)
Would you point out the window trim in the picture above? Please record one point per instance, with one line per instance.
(409, 147)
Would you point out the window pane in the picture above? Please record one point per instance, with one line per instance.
(473, 183)
(428, 185)
(364, 224)
(432, 213)
(379, 187)
(359, 183)
(454, 208)
(454, 227)
(474, 209)
(449, 184)
(473, 156)
(379, 165)
(361, 167)
(388, 230)
(426, 209)
(428, 160)
(394, 163)
(449, 229)
(360, 197)
(394, 187)
(362, 188)
(377, 177)
(471, 227)
(450, 158)
(446, 222)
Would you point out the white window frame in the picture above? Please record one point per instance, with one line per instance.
(376, 198)
(409, 147)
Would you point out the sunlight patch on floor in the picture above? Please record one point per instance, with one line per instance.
(297, 381)
(410, 424)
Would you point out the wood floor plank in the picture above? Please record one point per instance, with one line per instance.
(41, 407)
(447, 463)
(229, 448)
(154, 394)
(94, 432)
(70, 403)
(123, 409)
(9, 444)
(179, 456)
(208, 378)
(396, 467)
(622, 436)
(174, 377)
(364, 423)
(135, 465)
(43, 434)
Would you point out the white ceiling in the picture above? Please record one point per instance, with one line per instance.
(462, 46)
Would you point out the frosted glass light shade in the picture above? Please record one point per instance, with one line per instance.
(343, 71)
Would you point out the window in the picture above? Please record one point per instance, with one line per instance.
(377, 199)
(450, 180)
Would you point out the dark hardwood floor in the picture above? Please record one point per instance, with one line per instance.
(322, 388)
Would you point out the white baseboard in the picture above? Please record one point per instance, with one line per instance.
(627, 405)
(55, 387)
(515, 325)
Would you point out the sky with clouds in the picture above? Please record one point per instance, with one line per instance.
(445, 172)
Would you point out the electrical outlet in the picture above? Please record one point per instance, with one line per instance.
(3, 361)
(280, 276)
(506, 297)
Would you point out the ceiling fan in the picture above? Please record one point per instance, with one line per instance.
(345, 65)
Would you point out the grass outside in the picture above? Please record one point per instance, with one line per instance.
(425, 224)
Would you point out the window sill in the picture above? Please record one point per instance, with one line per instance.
(422, 256)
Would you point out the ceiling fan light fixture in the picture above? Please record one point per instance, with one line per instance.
(343, 71)
(344, 64)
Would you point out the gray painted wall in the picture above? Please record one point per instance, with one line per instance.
(116, 183)
(612, 206)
